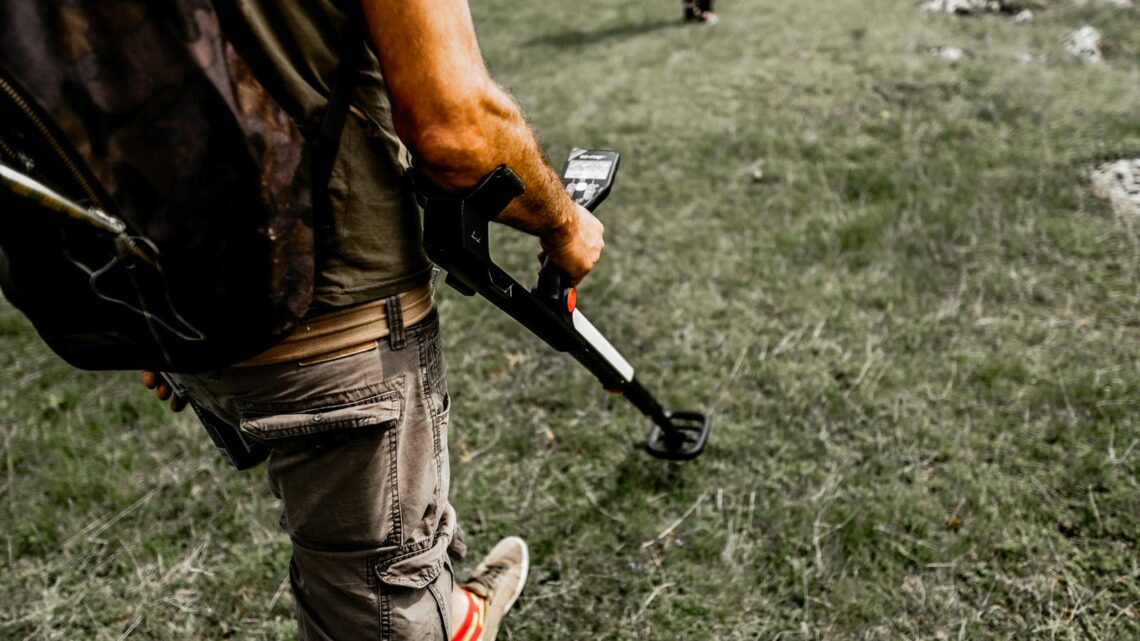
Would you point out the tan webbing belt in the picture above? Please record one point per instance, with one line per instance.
(344, 332)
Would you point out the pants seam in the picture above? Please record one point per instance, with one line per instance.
(385, 616)
(439, 607)
(437, 428)
(425, 348)
(397, 534)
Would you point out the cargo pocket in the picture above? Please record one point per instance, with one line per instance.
(378, 406)
(414, 589)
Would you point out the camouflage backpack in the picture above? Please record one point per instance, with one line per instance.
(189, 236)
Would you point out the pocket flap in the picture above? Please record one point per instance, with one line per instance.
(413, 568)
(376, 410)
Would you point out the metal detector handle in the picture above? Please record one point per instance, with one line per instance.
(553, 288)
(456, 239)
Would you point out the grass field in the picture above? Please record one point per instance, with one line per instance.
(918, 331)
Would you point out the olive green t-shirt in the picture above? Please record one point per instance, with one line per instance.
(294, 47)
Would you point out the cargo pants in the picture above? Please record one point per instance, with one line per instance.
(358, 457)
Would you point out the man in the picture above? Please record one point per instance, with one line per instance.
(699, 11)
(353, 406)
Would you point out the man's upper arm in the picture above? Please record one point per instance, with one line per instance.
(431, 63)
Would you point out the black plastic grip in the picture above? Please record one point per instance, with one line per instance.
(553, 287)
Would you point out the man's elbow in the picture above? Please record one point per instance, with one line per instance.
(453, 155)
(457, 142)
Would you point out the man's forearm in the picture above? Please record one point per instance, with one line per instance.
(502, 137)
(459, 124)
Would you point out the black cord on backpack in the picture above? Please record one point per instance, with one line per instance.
(186, 332)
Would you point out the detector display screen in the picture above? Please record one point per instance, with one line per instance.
(588, 169)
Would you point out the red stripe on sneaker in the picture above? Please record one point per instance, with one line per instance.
(480, 606)
(468, 619)
(472, 627)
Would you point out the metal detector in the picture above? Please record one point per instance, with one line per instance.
(456, 238)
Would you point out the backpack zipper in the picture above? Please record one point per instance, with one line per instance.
(6, 150)
(21, 104)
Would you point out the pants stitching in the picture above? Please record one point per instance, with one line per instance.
(421, 347)
(440, 608)
(437, 429)
(385, 616)
(427, 346)
(397, 535)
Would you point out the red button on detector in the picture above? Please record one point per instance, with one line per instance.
(571, 300)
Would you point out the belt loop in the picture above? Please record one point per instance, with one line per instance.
(397, 338)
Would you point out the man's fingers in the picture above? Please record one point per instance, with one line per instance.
(162, 389)
(578, 251)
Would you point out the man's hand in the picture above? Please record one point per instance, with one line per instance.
(576, 247)
(162, 389)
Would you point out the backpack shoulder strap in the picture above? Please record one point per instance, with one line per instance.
(326, 146)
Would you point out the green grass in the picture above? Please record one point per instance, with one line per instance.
(919, 334)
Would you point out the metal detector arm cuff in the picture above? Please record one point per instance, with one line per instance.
(456, 228)
(488, 199)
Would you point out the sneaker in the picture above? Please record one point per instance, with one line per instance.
(499, 581)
